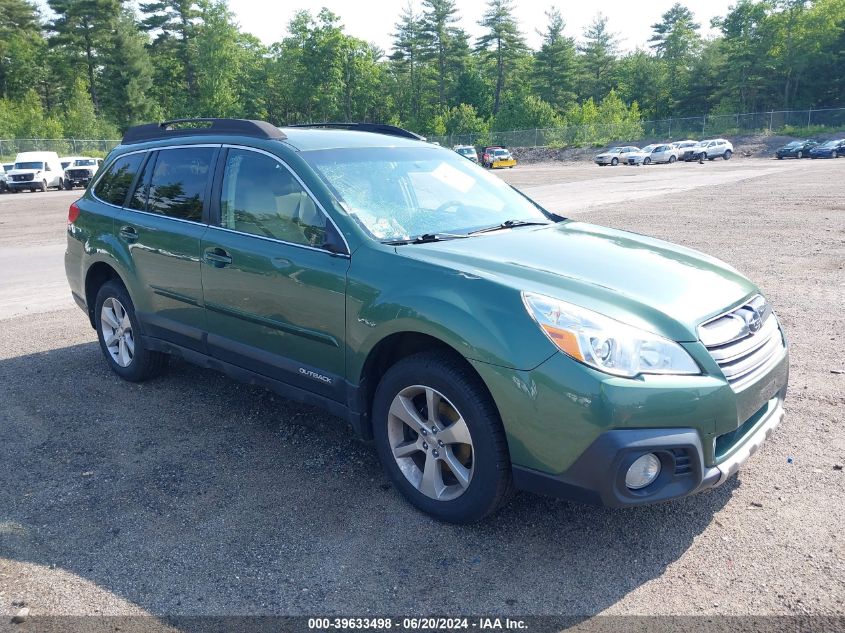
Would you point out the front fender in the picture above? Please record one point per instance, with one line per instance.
(483, 320)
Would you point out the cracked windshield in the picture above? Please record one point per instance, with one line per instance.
(401, 193)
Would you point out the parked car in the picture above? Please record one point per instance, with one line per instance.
(829, 149)
(502, 157)
(482, 342)
(615, 155)
(81, 171)
(467, 151)
(710, 149)
(682, 147)
(36, 171)
(796, 149)
(4, 187)
(657, 153)
(67, 161)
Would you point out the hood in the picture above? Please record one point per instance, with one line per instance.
(648, 283)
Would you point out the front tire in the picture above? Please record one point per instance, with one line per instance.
(672, 159)
(614, 162)
(646, 161)
(119, 335)
(43, 187)
(440, 438)
(799, 155)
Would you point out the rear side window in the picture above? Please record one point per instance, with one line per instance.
(178, 183)
(115, 183)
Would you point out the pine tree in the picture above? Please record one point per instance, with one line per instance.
(128, 75)
(555, 71)
(438, 33)
(81, 29)
(598, 59)
(503, 42)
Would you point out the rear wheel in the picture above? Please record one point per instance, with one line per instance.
(440, 439)
(727, 155)
(119, 335)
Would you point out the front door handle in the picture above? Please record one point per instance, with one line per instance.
(217, 257)
(128, 233)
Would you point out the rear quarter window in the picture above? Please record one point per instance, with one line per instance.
(115, 183)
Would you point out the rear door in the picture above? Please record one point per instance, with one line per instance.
(275, 297)
(160, 228)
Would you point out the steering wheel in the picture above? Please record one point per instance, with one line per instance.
(448, 204)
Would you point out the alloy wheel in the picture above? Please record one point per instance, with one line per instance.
(430, 442)
(116, 328)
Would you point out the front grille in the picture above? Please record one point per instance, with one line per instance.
(745, 343)
(78, 173)
(23, 177)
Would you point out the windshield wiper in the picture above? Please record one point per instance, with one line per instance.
(507, 224)
(426, 238)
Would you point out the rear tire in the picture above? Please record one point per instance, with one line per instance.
(453, 464)
(727, 155)
(120, 335)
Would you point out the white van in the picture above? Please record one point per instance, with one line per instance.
(36, 171)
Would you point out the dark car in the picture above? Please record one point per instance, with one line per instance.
(830, 149)
(796, 149)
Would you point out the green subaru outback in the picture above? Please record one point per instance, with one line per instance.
(483, 343)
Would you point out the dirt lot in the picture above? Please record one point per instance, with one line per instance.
(191, 494)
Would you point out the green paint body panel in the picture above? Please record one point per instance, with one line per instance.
(289, 307)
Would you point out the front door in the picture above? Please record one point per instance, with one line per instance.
(274, 297)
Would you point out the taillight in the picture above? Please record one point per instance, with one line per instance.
(72, 213)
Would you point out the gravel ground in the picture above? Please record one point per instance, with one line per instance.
(192, 494)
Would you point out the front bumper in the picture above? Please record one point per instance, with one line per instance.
(681, 455)
(25, 184)
(573, 431)
(503, 163)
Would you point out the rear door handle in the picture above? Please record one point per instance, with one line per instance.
(217, 257)
(129, 233)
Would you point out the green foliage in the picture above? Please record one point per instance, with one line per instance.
(462, 119)
(556, 66)
(99, 66)
(525, 112)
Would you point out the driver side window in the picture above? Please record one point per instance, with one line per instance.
(261, 197)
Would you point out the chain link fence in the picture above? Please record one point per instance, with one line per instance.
(793, 122)
(62, 146)
(772, 122)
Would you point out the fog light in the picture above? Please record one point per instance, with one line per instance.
(643, 471)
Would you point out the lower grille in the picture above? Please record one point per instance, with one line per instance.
(683, 466)
(745, 343)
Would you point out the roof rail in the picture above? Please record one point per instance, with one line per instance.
(186, 127)
(376, 128)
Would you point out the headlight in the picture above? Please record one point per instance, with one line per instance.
(604, 343)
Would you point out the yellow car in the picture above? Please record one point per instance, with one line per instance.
(495, 157)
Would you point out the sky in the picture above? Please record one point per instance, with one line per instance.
(374, 20)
